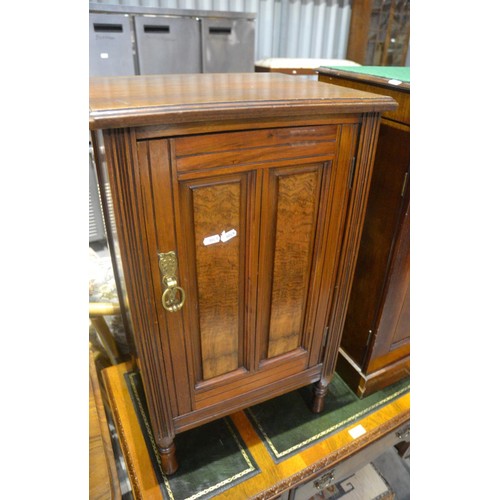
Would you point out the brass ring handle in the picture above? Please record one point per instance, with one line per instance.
(168, 269)
(168, 299)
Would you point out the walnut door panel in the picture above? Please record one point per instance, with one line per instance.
(220, 278)
(213, 209)
(291, 203)
(296, 214)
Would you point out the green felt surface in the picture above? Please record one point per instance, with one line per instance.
(286, 424)
(401, 73)
(212, 458)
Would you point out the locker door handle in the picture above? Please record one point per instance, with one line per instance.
(219, 31)
(108, 28)
(156, 29)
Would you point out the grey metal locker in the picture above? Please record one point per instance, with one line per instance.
(168, 44)
(228, 45)
(111, 51)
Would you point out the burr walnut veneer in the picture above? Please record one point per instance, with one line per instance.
(238, 201)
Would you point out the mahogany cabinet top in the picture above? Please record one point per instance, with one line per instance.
(162, 99)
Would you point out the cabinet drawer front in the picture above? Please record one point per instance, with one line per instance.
(236, 148)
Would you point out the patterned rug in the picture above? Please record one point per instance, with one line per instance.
(286, 432)
(365, 484)
(212, 458)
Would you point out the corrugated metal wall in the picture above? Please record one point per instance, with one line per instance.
(284, 28)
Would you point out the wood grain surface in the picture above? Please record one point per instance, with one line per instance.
(367, 83)
(154, 99)
(216, 208)
(296, 211)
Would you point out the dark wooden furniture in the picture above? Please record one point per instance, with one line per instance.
(336, 455)
(379, 34)
(375, 347)
(239, 200)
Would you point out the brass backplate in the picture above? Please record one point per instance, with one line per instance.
(168, 265)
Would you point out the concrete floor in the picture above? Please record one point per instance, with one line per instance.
(396, 471)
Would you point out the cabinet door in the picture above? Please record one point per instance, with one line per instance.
(253, 218)
(384, 210)
(392, 341)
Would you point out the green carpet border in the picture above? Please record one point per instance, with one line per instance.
(279, 456)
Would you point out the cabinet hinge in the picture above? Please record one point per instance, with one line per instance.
(325, 336)
(351, 172)
(403, 189)
(370, 333)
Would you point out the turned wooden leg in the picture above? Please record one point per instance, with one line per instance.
(168, 459)
(320, 390)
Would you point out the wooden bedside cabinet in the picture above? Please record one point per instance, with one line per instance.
(375, 348)
(239, 201)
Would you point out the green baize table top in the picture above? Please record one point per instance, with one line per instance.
(401, 73)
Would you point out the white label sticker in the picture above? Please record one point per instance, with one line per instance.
(210, 240)
(104, 55)
(227, 236)
(357, 431)
(395, 82)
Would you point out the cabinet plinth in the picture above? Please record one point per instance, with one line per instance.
(238, 201)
